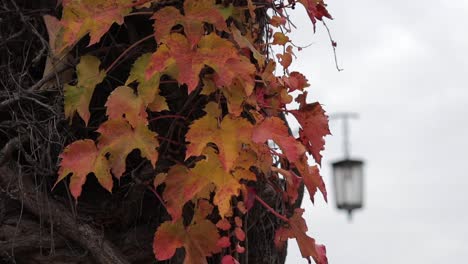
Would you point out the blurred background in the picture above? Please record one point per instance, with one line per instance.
(405, 72)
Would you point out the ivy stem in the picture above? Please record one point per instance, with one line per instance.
(141, 2)
(280, 216)
(126, 51)
(167, 116)
(157, 196)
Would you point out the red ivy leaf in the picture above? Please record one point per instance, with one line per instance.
(316, 9)
(297, 229)
(275, 129)
(314, 125)
(295, 81)
(312, 178)
(228, 259)
(82, 158)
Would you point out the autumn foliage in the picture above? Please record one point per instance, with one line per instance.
(216, 51)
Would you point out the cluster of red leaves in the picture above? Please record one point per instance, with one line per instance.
(233, 147)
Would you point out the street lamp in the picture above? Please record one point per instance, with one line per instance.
(348, 174)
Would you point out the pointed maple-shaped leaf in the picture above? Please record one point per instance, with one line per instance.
(118, 139)
(183, 184)
(225, 134)
(312, 178)
(314, 126)
(90, 16)
(297, 229)
(196, 12)
(148, 90)
(212, 50)
(316, 9)
(82, 158)
(275, 129)
(199, 240)
(78, 97)
(124, 103)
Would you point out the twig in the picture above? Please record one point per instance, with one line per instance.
(333, 43)
(282, 217)
(127, 50)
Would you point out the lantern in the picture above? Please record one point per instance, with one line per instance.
(348, 181)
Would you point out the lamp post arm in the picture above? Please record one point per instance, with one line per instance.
(345, 116)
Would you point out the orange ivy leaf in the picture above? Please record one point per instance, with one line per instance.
(275, 129)
(212, 50)
(314, 123)
(148, 90)
(277, 21)
(199, 240)
(184, 184)
(225, 134)
(124, 103)
(280, 39)
(297, 229)
(285, 59)
(82, 158)
(90, 16)
(196, 12)
(78, 97)
(118, 139)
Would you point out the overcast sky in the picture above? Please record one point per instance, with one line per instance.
(406, 70)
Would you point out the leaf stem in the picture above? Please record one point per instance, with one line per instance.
(126, 51)
(167, 116)
(280, 216)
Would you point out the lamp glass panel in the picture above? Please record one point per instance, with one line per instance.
(348, 179)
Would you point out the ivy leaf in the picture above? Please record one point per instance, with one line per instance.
(275, 129)
(196, 12)
(123, 103)
(118, 139)
(314, 125)
(225, 134)
(316, 9)
(312, 178)
(82, 158)
(199, 240)
(280, 39)
(228, 259)
(148, 90)
(295, 81)
(293, 183)
(285, 59)
(297, 229)
(90, 16)
(78, 97)
(243, 42)
(183, 184)
(212, 50)
(277, 21)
